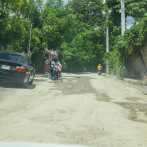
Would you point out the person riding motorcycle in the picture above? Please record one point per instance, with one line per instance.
(51, 69)
(99, 67)
(54, 65)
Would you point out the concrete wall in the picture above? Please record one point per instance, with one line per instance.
(137, 63)
(143, 50)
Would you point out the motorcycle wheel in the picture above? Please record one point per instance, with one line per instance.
(60, 78)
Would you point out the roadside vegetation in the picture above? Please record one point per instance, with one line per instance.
(123, 46)
(76, 30)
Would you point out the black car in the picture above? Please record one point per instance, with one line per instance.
(16, 67)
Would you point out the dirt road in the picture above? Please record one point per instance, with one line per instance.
(85, 109)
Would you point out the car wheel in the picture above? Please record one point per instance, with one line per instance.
(31, 82)
(25, 85)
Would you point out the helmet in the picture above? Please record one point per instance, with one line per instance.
(55, 59)
(99, 64)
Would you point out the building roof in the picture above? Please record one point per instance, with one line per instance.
(55, 53)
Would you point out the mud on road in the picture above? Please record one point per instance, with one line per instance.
(84, 109)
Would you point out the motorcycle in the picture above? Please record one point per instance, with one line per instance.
(58, 75)
(99, 72)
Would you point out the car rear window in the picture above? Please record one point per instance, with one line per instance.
(12, 57)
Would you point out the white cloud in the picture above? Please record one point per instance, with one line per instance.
(129, 26)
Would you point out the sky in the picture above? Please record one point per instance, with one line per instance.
(129, 22)
(65, 2)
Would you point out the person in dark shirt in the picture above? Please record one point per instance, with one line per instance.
(51, 69)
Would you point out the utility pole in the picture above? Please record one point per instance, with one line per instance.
(1, 14)
(30, 37)
(123, 17)
(107, 43)
(107, 37)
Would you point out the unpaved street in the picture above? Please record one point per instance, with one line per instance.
(85, 109)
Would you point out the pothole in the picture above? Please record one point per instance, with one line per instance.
(134, 106)
(132, 98)
(74, 81)
(75, 86)
(103, 97)
(138, 111)
(84, 134)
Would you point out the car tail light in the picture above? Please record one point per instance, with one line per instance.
(20, 69)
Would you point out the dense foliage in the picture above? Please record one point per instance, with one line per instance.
(122, 46)
(76, 31)
(86, 48)
(125, 45)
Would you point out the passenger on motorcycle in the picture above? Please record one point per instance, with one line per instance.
(51, 69)
(99, 67)
(54, 65)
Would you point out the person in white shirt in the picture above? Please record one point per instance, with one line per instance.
(54, 65)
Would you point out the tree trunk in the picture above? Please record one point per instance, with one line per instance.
(0, 7)
(27, 48)
(5, 47)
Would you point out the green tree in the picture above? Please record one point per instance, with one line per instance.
(87, 11)
(56, 23)
(55, 3)
(133, 8)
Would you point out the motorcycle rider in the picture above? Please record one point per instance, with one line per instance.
(54, 65)
(99, 67)
(51, 69)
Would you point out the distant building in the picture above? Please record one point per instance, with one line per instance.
(50, 54)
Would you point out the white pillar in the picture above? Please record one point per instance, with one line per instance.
(107, 43)
(123, 17)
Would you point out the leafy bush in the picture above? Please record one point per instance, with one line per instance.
(126, 45)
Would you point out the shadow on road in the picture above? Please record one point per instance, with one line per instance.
(64, 77)
(40, 80)
(79, 73)
(15, 86)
